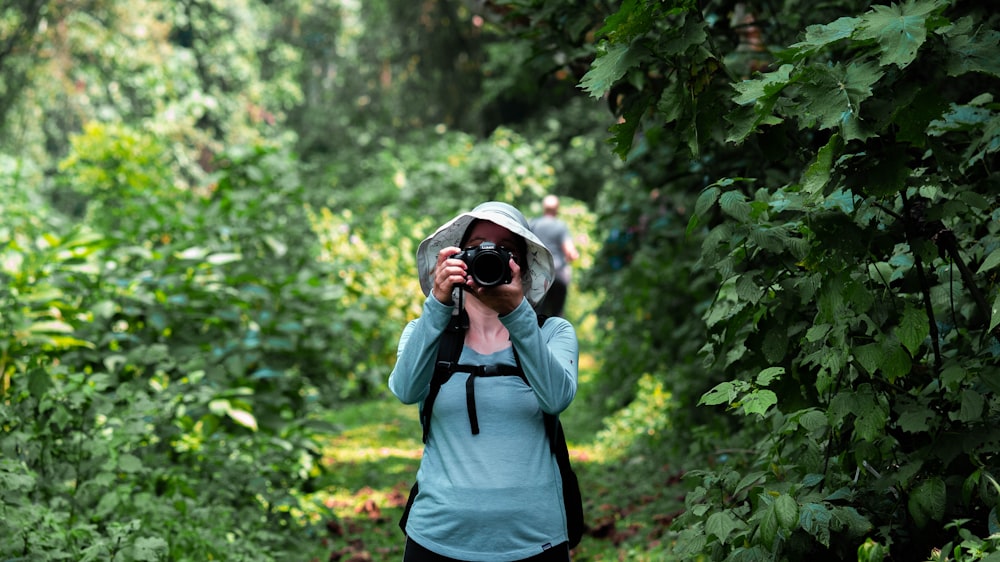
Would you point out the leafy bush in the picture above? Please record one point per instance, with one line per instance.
(852, 329)
(161, 396)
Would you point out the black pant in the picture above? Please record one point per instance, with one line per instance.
(416, 553)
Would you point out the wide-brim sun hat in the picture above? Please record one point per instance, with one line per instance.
(541, 270)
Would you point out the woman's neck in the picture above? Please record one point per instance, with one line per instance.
(486, 333)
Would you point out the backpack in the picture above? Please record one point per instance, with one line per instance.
(452, 342)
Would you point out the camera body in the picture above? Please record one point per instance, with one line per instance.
(488, 264)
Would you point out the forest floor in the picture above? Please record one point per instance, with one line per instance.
(630, 500)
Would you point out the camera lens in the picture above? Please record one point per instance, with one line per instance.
(489, 269)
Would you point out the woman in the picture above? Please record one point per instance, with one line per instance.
(494, 495)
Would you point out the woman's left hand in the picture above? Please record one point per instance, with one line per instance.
(502, 298)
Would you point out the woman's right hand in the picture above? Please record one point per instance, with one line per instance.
(448, 273)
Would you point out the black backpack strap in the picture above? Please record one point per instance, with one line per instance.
(449, 350)
(490, 371)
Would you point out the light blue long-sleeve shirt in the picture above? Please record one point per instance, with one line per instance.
(495, 496)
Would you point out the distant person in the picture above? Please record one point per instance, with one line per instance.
(554, 233)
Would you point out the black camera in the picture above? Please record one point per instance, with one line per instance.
(487, 263)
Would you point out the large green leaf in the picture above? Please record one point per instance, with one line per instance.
(991, 261)
(900, 30)
(832, 96)
(758, 401)
(815, 519)
(734, 204)
(913, 329)
(787, 511)
(722, 393)
(768, 85)
(914, 418)
(632, 19)
(769, 526)
(971, 408)
(722, 524)
(817, 175)
(869, 356)
(869, 425)
(768, 375)
(927, 501)
(972, 48)
(819, 36)
(611, 64)
(760, 95)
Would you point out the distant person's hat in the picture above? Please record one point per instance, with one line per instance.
(541, 270)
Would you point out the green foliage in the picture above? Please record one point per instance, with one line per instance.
(440, 173)
(126, 178)
(162, 393)
(851, 331)
(18, 21)
(375, 268)
(197, 76)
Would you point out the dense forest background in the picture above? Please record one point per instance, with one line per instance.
(788, 299)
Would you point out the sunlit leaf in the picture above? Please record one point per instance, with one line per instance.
(50, 327)
(769, 374)
(244, 418)
(195, 253)
(758, 401)
(223, 258)
(722, 393)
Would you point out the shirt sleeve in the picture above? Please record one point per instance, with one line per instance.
(417, 352)
(549, 356)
